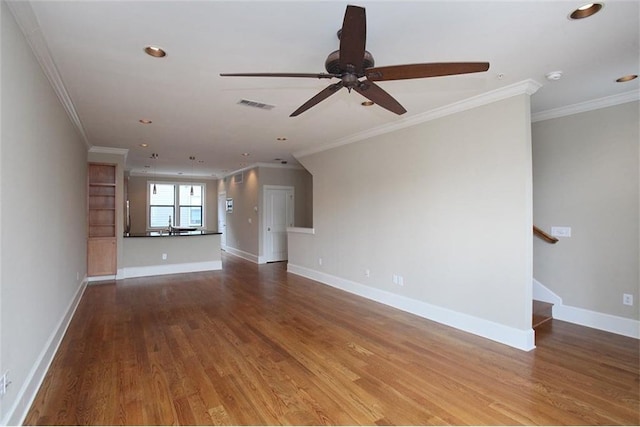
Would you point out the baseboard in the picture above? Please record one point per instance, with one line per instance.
(580, 316)
(102, 278)
(243, 254)
(27, 394)
(544, 294)
(159, 270)
(520, 339)
(593, 319)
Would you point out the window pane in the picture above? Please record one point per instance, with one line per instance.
(160, 216)
(164, 194)
(185, 195)
(190, 216)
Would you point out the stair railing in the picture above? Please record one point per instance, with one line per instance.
(544, 235)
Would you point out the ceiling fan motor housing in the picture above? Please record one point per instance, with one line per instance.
(332, 64)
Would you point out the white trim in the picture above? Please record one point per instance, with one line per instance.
(28, 23)
(92, 279)
(528, 87)
(262, 165)
(544, 294)
(520, 339)
(593, 319)
(301, 230)
(25, 397)
(159, 270)
(242, 254)
(124, 152)
(580, 316)
(594, 104)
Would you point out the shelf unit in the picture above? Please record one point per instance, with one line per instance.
(101, 219)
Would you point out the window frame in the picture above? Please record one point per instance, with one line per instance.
(175, 218)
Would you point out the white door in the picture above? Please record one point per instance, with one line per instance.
(278, 204)
(222, 219)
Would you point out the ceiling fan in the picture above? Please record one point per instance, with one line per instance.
(352, 62)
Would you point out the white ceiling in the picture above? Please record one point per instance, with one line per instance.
(97, 50)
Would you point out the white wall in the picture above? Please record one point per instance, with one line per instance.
(43, 220)
(446, 204)
(586, 176)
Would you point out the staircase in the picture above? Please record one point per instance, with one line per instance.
(542, 312)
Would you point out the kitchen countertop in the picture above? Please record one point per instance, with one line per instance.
(174, 233)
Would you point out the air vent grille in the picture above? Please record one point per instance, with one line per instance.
(256, 104)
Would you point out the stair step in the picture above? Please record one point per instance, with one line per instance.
(542, 312)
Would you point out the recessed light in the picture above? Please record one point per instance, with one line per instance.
(627, 78)
(586, 10)
(281, 138)
(155, 51)
(145, 121)
(554, 75)
(246, 154)
(143, 145)
(366, 103)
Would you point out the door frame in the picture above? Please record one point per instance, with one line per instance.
(262, 258)
(223, 237)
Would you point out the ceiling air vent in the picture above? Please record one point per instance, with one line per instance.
(256, 104)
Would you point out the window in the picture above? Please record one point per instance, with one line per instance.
(178, 205)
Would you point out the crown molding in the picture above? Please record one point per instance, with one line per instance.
(262, 165)
(582, 107)
(30, 27)
(110, 150)
(528, 87)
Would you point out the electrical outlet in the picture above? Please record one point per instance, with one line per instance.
(627, 299)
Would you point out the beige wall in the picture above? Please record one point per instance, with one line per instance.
(137, 189)
(446, 204)
(585, 176)
(244, 223)
(43, 218)
(242, 234)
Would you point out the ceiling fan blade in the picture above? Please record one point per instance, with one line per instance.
(379, 96)
(353, 37)
(418, 71)
(321, 96)
(311, 75)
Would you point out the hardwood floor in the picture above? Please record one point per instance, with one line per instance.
(256, 345)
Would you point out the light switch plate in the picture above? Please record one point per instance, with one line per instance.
(561, 231)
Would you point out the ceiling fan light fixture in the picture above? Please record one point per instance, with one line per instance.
(155, 51)
(586, 11)
(627, 78)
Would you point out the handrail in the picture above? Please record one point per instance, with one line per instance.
(544, 235)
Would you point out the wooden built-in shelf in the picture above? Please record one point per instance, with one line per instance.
(101, 219)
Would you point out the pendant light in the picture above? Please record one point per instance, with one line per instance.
(192, 158)
(154, 156)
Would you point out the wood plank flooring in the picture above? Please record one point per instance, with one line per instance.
(254, 345)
